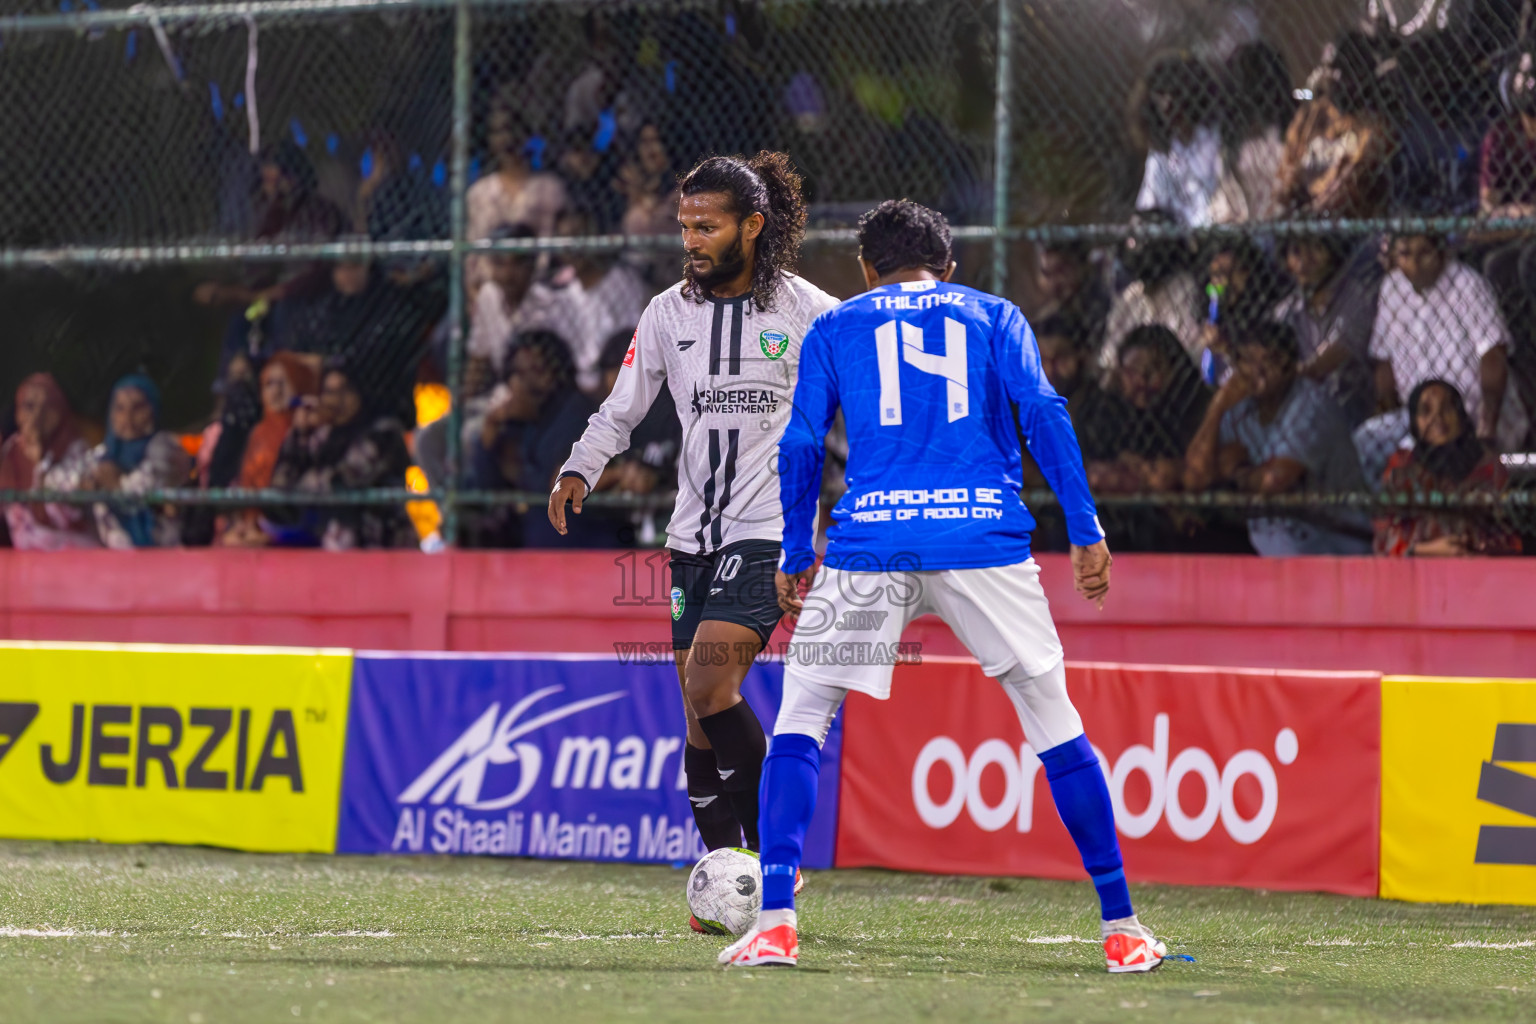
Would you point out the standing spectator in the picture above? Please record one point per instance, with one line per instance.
(1178, 117)
(1071, 286)
(46, 453)
(284, 380)
(1259, 108)
(513, 192)
(1163, 291)
(1447, 458)
(1339, 144)
(1438, 318)
(509, 300)
(1332, 309)
(137, 456)
(356, 449)
(1271, 431)
(1507, 181)
(534, 420)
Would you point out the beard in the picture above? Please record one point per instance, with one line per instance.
(727, 267)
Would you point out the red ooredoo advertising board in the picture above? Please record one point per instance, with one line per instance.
(1241, 777)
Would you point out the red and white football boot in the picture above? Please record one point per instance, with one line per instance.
(1131, 948)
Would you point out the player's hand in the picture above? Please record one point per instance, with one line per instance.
(791, 587)
(567, 488)
(1090, 571)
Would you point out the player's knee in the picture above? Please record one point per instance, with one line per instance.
(1046, 712)
(710, 693)
(807, 710)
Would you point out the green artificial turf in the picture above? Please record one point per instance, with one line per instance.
(198, 936)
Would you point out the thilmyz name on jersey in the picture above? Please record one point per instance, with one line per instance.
(928, 300)
(928, 503)
(736, 401)
(537, 834)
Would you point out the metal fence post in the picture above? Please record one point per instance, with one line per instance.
(458, 186)
(1002, 117)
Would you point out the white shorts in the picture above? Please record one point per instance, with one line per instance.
(853, 621)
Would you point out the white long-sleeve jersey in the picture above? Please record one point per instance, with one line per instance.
(731, 369)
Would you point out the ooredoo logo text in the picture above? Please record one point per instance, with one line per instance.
(1164, 771)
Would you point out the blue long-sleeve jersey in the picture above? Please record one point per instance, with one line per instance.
(927, 374)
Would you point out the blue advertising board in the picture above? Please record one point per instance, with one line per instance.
(576, 757)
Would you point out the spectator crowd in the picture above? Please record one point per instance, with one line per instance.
(1200, 353)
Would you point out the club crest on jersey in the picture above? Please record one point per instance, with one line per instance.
(677, 603)
(774, 343)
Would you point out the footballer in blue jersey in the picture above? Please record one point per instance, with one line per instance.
(928, 375)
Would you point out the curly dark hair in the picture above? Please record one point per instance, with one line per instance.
(767, 184)
(902, 235)
(555, 351)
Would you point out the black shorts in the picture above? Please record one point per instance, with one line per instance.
(735, 584)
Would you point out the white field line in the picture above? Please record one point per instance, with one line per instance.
(12, 932)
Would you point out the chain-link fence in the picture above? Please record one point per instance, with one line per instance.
(305, 241)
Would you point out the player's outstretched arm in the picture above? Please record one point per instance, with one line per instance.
(571, 489)
(1048, 428)
(1090, 571)
(802, 451)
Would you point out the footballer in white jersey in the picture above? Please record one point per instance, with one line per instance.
(726, 341)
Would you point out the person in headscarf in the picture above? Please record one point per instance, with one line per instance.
(46, 453)
(1446, 458)
(355, 449)
(137, 456)
(286, 377)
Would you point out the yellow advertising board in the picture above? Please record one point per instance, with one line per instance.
(235, 747)
(1458, 790)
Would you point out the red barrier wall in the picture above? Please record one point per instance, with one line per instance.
(1260, 779)
(1465, 617)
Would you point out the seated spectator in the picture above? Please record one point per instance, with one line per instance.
(1271, 431)
(46, 453)
(591, 296)
(1332, 309)
(364, 319)
(1163, 291)
(514, 191)
(1340, 142)
(1178, 118)
(137, 456)
(218, 460)
(533, 421)
(1259, 108)
(1242, 287)
(353, 448)
(647, 182)
(1438, 101)
(1447, 458)
(1141, 446)
(588, 166)
(1135, 435)
(1071, 286)
(508, 302)
(1437, 318)
(650, 464)
(286, 378)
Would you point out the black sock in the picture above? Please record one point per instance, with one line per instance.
(740, 747)
(712, 811)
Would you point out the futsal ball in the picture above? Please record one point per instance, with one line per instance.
(725, 891)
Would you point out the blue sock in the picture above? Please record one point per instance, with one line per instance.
(1082, 800)
(786, 803)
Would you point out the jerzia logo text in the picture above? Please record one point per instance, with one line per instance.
(125, 745)
(1514, 791)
